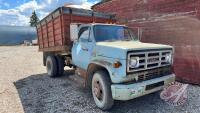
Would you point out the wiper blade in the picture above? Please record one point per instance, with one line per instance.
(109, 40)
(126, 40)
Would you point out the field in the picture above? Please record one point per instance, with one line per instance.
(25, 87)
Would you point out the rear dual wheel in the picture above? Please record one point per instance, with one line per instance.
(55, 66)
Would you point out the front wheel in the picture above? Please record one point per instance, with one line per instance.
(101, 90)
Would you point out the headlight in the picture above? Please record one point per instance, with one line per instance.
(134, 62)
(168, 58)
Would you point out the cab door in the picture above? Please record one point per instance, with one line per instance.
(82, 49)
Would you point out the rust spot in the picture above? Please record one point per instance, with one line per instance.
(82, 73)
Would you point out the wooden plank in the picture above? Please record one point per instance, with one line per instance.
(47, 33)
(62, 28)
(53, 30)
(56, 49)
(42, 35)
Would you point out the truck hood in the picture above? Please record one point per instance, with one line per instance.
(136, 45)
(118, 49)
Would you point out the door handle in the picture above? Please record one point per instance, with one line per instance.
(84, 49)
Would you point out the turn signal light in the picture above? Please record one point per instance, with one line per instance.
(117, 64)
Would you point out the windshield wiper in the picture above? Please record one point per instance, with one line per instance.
(126, 40)
(109, 40)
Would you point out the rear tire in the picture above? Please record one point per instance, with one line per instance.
(44, 58)
(60, 65)
(51, 66)
(101, 90)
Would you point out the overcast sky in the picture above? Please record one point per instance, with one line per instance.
(18, 12)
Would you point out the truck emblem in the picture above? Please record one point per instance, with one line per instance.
(175, 94)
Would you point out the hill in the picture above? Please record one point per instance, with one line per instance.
(13, 35)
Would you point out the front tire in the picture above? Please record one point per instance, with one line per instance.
(101, 90)
(51, 66)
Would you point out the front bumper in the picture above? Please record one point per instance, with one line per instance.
(131, 91)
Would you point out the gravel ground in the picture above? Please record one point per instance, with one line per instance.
(25, 87)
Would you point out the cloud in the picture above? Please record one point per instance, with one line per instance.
(6, 5)
(49, 1)
(20, 15)
(13, 17)
(30, 5)
(85, 5)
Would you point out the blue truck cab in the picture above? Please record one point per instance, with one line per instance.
(116, 65)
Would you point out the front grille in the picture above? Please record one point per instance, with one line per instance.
(150, 74)
(154, 73)
(149, 59)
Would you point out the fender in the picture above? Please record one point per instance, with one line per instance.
(103, 63)
(96, 65)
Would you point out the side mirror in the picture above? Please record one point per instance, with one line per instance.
(74, 32)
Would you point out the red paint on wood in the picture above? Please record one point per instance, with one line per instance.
(54, 30)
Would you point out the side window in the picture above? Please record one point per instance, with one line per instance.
(84, 34)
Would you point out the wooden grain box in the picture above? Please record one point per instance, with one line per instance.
(54, 30)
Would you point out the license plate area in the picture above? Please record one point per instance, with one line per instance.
(155, 85)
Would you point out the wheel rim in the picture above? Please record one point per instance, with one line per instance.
(98, 91)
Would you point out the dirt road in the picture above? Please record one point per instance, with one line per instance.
(25, 87)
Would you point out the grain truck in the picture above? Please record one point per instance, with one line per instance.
(113, 63)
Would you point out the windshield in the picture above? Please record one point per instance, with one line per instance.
(113, 33)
